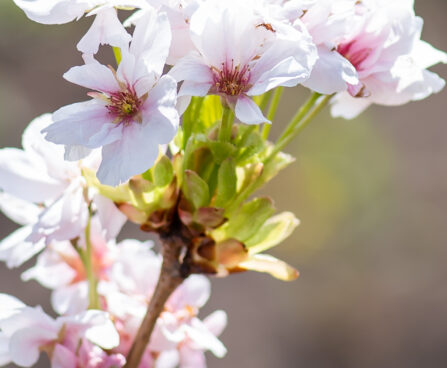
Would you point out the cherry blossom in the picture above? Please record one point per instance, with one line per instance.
(385, 48)
(241, 54)
(27, 331)
(133, 111)
(46, 194)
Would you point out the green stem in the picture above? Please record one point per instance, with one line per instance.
(226, 127)
(265, 100)
(91, 278)
(299, 123)
(272, 111)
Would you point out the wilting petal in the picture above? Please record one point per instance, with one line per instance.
(271, 265)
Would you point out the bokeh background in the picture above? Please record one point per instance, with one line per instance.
(372, 197)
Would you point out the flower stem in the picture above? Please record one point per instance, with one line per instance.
(226, 127)
(272, 111)
(92, 282)
(304, 116)
(299, 122)
(170, 278)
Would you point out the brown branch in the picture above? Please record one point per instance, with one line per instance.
(170, 278)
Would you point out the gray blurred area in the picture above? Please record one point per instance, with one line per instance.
(371, 195)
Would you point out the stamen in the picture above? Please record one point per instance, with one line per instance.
(231, 80)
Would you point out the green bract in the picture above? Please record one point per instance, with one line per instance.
(201, 190)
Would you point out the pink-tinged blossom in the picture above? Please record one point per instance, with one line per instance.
(133, 110)
(45, 194)
(70, 342)
(61, 269)
(391, 61)
(328, 21)
(240, 54)
(180, 336)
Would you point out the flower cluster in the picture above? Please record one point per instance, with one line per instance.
(169, 139)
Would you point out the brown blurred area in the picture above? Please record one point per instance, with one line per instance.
(371, 195)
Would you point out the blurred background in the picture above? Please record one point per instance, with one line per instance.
(371, 195)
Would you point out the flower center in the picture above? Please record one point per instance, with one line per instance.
(124, 106)
(356, 56)
(231, 80)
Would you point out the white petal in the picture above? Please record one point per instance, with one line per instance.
(105, 30)
(53, 12)
(65, 219)
(93, 76)
(18, 210)
(24, 346)
(70, 300)
(4, 350)
(216, 322)
(85, 124)
(9, 305)
(111, 218)
(103, 332)
(168, 359)
(24, 176)
(331, 73)
(194, 292)
(192, 68)
(248, 112)
(15, 249)
(151, 41)
(204, 339)
(133, 154)
(348, 107)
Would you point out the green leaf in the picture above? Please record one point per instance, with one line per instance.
(226, 183)
(163, 172)
(247, 221)
(274, 231)
(196, 189)
(273, 167)
(249, 144)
